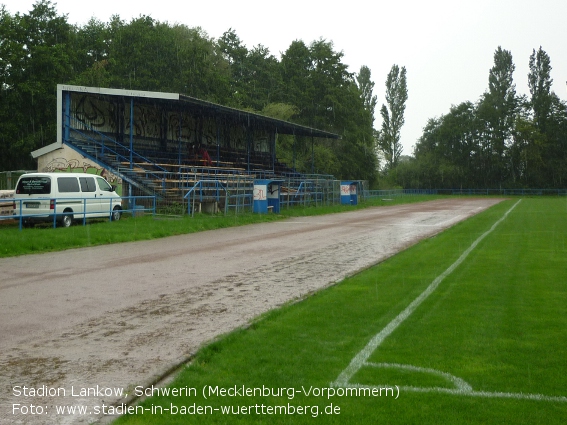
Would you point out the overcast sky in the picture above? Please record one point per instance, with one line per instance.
(447, 46)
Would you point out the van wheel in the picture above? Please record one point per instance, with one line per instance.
(66, 220)
(116, 214)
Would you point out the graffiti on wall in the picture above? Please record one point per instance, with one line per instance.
(95, 112)
(147, 121)
(155, 123)
(61, 164)
(76, 166)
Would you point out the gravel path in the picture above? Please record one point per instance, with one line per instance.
(118, 316)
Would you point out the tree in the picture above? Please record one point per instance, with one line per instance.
(504, 140)
(331, 83)
(548, 116)
(366, 86)
(36, 53)
(310, 84)
(498, 108)
(255, 79)
(539, 83)
(527, 154)
(198, 68)
(142, 54)
(449, 149)
(393, 115)
(326, 95)
(149, 55)
(295, 68)
(261, 79)
(557, 147)
(235, 53)
(92, 47)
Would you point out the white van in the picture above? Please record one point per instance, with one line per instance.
(65, 197)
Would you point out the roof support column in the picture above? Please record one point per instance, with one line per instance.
(179, 137)
(131, 132)
(294, 139)
(274, 137)
(312, 155)
(248, 139)
(67, 116)
(218, 122)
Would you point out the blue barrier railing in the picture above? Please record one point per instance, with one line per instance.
(129, 204)
(240, 202)
(205, 189)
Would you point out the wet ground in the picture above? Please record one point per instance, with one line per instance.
(123, 315)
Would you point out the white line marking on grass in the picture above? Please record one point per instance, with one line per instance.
(460, 384)
(488, 394)
(462, 387)
(361, 358)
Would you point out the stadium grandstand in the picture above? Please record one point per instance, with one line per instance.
(175, 146)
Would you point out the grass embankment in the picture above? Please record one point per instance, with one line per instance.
(45, 238)
(497, 322)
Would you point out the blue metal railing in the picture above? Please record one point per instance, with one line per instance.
(137, 205)
(306, 193)
(240, 202)
(104, 144)
(203, 189)
(188, 175)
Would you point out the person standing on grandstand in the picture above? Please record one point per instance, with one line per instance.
(206, 157)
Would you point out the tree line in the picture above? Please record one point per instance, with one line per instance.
(501, 140)
(504, 140)
(309, 84)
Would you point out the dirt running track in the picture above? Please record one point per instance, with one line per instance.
(122, 315)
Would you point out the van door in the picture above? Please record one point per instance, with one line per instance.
(89, 189)
(69, 197)
(106, 196)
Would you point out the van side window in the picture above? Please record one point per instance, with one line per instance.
(67, 184)
(104, 185)
(87, 184)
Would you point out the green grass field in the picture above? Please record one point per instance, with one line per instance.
(487, 346)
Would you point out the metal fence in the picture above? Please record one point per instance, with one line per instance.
(8, 179)
(309, 191)
(134, 205)
(312, 190)
(393, 193)
(504, 192)
(396, 193)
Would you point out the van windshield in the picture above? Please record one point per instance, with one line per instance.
(103, 184)
(34, 186)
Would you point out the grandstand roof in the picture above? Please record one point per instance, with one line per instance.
(205, 108)
(255, 120)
